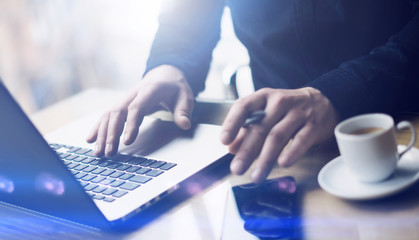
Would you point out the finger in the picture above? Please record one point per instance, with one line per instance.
(183, 109)
(235, 145)
(254, 138)
(91, 138)
(101, 136)
(251, 144)
(134, 119)
(302, 141)
(249, 149)
(237, 115)
(115, 128)
(141, 105)
(275, 142)
(123, 105)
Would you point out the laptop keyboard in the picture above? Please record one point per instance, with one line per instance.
(109, 178)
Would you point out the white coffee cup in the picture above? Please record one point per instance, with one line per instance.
(368, 145)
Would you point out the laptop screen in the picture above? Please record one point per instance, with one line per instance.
(31, 174)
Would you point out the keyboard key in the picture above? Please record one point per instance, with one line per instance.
(70, 147)
(116, 174)
(97, 179)
(107, 172)
(122, 158)
(88, 177)
(72, 165)
(140, 179)
(90, 153)
(90, 186)
(66, 162)
(95, 161)
(88, 160)
(123, 167)
(63, 155)
(133, 169)
(129, 186)
(136, 160)
(114, 165)
(157, 164)
(154, 173)
(99, 170)
(54, 146)
(98, 197)
(82, 151)
(105, 163)
(117, 183)
(167, 166)
(89, 169)
(81, 167)
(80, 175)
(143, 170)
(107, 181)
(109, 191)
(73, 149)
(84, 184)
(108, 199)
(147, 162)
(120, 193)
(79, 159)
(126, 176)
(71, 157)
(99, 189)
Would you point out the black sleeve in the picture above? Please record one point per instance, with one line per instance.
(386, 80)
(188, 32)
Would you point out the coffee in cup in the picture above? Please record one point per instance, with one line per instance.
(367, 130)
(368, 145)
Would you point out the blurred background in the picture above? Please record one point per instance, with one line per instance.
(52, 49)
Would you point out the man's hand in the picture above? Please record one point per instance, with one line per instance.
(304, 115)
(164, 86)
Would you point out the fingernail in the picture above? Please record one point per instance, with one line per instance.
(236, 166)
(186, 122)
(255, 175)
(126, 137)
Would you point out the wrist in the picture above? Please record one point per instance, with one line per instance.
(166, 71)
(317, 96)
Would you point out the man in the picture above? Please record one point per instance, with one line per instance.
(314, 63)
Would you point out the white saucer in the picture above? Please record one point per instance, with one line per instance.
(335, 179)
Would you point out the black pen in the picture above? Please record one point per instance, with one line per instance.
(254, 117)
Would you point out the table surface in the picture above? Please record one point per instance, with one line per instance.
(324, 216)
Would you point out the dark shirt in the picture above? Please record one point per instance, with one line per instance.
(362, 54)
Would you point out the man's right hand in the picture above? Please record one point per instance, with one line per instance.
(164, 86)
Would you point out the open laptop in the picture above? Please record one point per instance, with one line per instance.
(62, 178)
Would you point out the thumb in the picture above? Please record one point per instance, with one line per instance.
(183, 110)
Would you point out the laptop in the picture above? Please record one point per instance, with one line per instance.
(59, 176)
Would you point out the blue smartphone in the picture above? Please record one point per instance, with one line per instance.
(270, 210)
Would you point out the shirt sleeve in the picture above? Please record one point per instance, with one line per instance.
(188, 32)
(386, 80)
